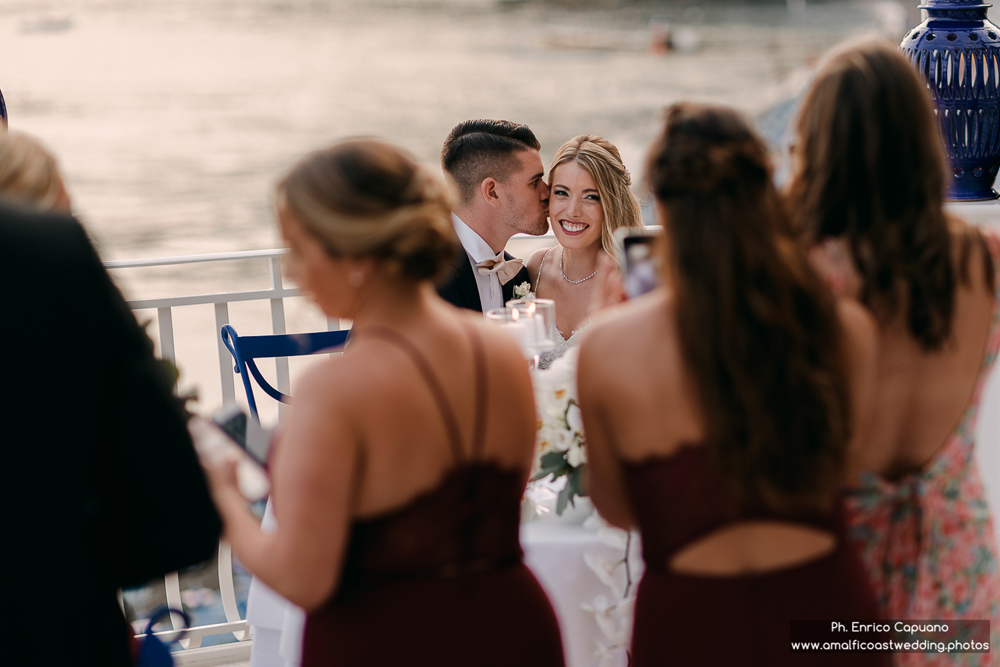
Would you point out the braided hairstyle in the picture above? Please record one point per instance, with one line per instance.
(758, 332)
(601, 159)
(368, 198)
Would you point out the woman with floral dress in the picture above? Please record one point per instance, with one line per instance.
(868, 194)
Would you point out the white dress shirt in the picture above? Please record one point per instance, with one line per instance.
(490, 291)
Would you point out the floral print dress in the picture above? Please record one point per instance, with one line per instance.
(927, 538)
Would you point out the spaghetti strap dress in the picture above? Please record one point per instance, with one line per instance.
(440, 581)
(927, 539)
(739, 621)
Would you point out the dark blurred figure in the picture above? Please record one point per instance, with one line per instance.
(102, 485)
(868, 193)
(721, 411)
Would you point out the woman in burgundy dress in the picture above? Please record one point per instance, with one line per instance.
(720, 418)
(398, 476)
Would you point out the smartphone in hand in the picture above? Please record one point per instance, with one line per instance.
(642, 265)
(245, 432)
(214, 445)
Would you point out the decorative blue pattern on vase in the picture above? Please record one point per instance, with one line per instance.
(957, 51)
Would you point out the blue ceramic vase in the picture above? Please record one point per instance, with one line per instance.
(957, 50)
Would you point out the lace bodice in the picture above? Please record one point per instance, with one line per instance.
(546, 358)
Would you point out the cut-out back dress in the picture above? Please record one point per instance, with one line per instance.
(440, 581)
(737, 621)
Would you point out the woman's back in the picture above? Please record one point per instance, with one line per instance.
(708, 555)
(650, 414)
(447, 422)
(923, 396)
(408, 449)
(719, 413)
(924, 529)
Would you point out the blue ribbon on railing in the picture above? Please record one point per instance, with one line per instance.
(152, 651)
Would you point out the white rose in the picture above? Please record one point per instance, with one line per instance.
(522, 290)
(562, 439)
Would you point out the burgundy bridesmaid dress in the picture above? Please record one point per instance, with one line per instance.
(440, 580)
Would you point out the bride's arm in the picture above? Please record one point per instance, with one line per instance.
(312, 473)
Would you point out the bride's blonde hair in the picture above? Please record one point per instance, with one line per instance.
(600, 158)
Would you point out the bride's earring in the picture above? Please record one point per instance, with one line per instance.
(356, 279)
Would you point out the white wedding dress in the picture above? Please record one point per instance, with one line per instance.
(562, 346)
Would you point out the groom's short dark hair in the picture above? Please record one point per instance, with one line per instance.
(480, 149)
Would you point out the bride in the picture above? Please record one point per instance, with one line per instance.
(589, 199)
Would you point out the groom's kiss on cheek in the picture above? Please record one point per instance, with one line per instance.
(527, 195)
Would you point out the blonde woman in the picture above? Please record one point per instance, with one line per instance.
(397, 479)
(589, 198)
(29, 174)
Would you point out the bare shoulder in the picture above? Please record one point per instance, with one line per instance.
(975, 250)
(331, 381)
(621, 333)
(860, 328)
(534, 263)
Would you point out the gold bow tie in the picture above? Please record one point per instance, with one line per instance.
(505, 269)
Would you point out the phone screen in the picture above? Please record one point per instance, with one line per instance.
(245, 432)
(642, 266)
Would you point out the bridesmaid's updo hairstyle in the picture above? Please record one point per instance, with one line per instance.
(367, 198)
(601, 159)
(759, 333)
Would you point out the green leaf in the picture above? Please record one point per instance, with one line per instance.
(552, 463)
(571, 491)
(563, 499)
(553, 460)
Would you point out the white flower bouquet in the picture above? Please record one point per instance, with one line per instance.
(561, 448)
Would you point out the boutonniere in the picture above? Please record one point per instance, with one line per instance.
(522, 290)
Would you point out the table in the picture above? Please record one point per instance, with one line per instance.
(555, 552)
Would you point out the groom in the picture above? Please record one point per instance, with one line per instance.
(496, 171)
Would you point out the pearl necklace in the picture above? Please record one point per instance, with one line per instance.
(566, 278)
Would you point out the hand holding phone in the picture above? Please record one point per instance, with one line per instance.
(216, 448)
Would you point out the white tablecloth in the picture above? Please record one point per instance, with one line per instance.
(554, 550)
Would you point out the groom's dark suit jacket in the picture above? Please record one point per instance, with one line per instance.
(461, 290)
(102, 487)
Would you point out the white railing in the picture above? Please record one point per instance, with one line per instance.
(191, 653)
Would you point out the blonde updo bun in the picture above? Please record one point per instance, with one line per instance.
(367, 198)
(29, 174)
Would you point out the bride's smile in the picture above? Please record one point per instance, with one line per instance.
(575, 207)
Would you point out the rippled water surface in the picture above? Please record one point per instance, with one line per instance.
(174, 118)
